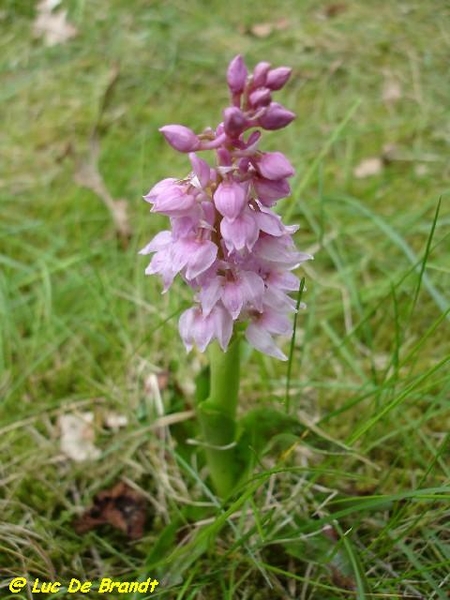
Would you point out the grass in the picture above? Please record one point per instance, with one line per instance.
(358, 506)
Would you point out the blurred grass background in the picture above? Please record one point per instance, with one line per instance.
(82, 328)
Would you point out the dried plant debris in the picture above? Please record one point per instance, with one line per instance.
(77, 436)
(334, 10)
(87, 173)
(120, 506)
(391, 92)
(114, 421)
(368, 167)
(264, 30)
(52, 26)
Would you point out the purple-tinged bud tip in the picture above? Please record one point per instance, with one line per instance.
(201, 169)
(276, 78)
(234, 121)
(274, 165)
(260, 74)
(180, 137)
(275, 117)
(237, 75)
(260, 97)
(230, 198)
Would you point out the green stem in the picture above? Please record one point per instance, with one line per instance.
(217, 417)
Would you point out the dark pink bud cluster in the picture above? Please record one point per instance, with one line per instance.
(225, 241)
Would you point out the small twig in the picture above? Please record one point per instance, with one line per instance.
(88, 174)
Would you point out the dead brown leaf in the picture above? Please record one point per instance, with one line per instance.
(368, 167)
(263, 30)
(52, 26)
(334, 10)
(120, 506)
(341, 580)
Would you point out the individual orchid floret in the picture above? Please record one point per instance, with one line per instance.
(235, 121)
(199, 328)
(273, 165)
(230, 198)
(275, 117)
(180, 137)
(276, 78)
(240, 233)
(268, 191)
(225, 241)
(260, 74)
(260, 97)
(237, 75)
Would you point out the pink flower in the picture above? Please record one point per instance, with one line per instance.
(275, 117)
(273, 165)
(181, 138)
(229, 247)
(259, 333)
(230, 199)
(268, 191)
(241, 232)
(276, 78)
(260, 74)
(234, 122)
(237, 75)
(196, 327)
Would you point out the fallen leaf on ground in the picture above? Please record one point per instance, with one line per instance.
(334, 10)
(368, 167)
(120, 506)
(115, 421)
(51, 26)
(77, 436)
(263, 30)
(392, 91)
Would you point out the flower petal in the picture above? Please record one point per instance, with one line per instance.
(201, 256)
(230, 198)
(180, 137)
(232, 298)
(260, 339)
(274, 165)
(161, 240)
(240, 233)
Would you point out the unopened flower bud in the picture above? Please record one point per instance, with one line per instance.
(260, 74)
(276, 78)
(274, 165)
(260, 97)
(180, 137)
(275, 117)
(237, 75)
(201, 169)
(234, 121)
(230, 198)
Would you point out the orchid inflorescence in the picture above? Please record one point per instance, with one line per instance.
(225, 241)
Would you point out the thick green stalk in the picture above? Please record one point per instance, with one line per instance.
(217, 417)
